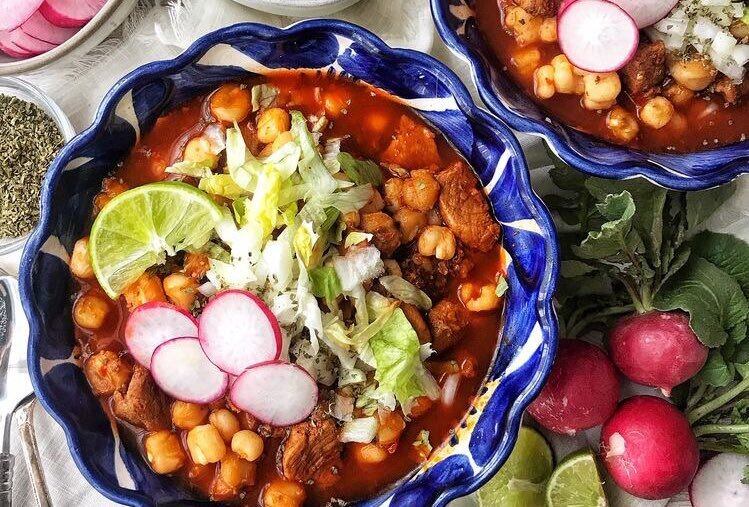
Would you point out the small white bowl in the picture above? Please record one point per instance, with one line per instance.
(298, 8)
(30, 93)
(111, 15)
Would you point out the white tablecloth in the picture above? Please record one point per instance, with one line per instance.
(79, 85)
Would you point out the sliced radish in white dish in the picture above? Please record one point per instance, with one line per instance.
(718, 482)
(70, 13)
(276, 393)
(237, 330)
(182, 370)
(154, 323)
(29, 43)
(597, 36)
(564, 5)
(38, 27)
(14, 12)
(646, 12)
(11, 49)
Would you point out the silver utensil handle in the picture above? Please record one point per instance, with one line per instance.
(31, 453)
(6, 478)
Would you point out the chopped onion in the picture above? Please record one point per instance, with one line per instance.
(207, 289)
(450, 389)
(362, 430)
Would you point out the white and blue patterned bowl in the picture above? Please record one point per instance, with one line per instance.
(528, 343)
(456, 24)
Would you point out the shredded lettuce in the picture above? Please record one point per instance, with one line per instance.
(311, 166)
(263, 96)
(406, 291)
(236, 150)
(221, 184)
(305, 241)
(325, 283)
(360, 172)
(194, 169)
(356, 237)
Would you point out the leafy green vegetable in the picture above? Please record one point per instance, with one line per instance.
(406, 291)
(194, 169)
(360, 172)
(311, 166)
(221, 184)
(325, 283)
(700, 205)
(727, 252)
(263, 96)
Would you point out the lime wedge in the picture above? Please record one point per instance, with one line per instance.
(521, 480)
(140, 227)
(576, 483)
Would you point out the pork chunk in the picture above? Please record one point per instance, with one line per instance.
(422, 272)
(449, 320)
(464, 208)
(143, 404)
(107, 372)
(413, 146)
(647, 69)
(312, 451)
(545, 8)
(387, 237)
(731, 91)
(416, 319)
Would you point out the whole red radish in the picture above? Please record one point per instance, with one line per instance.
(582, 390)
(657, 349)
(649, 448)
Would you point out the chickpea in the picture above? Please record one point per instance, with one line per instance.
(231, 103)
(695, 74)
(602, 88)
(390, 428)
(247, 444)
(515, 16)
(593, 105)
(205, 444)
(375, 203)
(548, 30)
(282, 493)
(394, 193)
(485, 300)
(282, 139)
(437, 241)
(164, 452)
(199, 150)
(527, 28)
(369, 454)
(143, 290)
(80, 261)
(234, 472)
(622, 124)
(657, 112)
(543, 82)
(271, 123)
(409, 222)
(182, 290)
(679, 95)
(421, 190)
(565, 79)
(187, 415)
(526, 60)
(225, 422)
(352, 219)
(91, 311)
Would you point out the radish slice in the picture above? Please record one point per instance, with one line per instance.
(29, 43)
(718, 482)
(11, 49)
(38, 27)
(597, 36)
(646, 12)
(14, 12)
(154, 323)
(276, 393)
(182, 370)
(237, 330)
(564, 5)
(70, 13)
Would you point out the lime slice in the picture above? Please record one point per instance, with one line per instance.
(138, 228)
(521, 480)
(576, 483)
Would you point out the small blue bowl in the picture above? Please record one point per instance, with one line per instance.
(522, 361)
(456, 24)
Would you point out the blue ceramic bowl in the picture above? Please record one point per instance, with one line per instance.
(528, 343)
(457, 25)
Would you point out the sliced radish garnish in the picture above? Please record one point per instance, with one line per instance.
(597, 36)
(646, 12)
(70, 13)
(718, 482)
(154, 323)
(237, 330)
(29, 43)
(564, 5)
(11, 49)
(182, 370)
(276, 393)
(38, 27)
(14, 12)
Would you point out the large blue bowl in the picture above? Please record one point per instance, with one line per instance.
(484, 439)
(456, 24)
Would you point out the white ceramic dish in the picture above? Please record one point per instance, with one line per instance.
(298, 8)
(106, 20)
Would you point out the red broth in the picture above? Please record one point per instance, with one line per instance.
(705, 123)
(370, 118)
